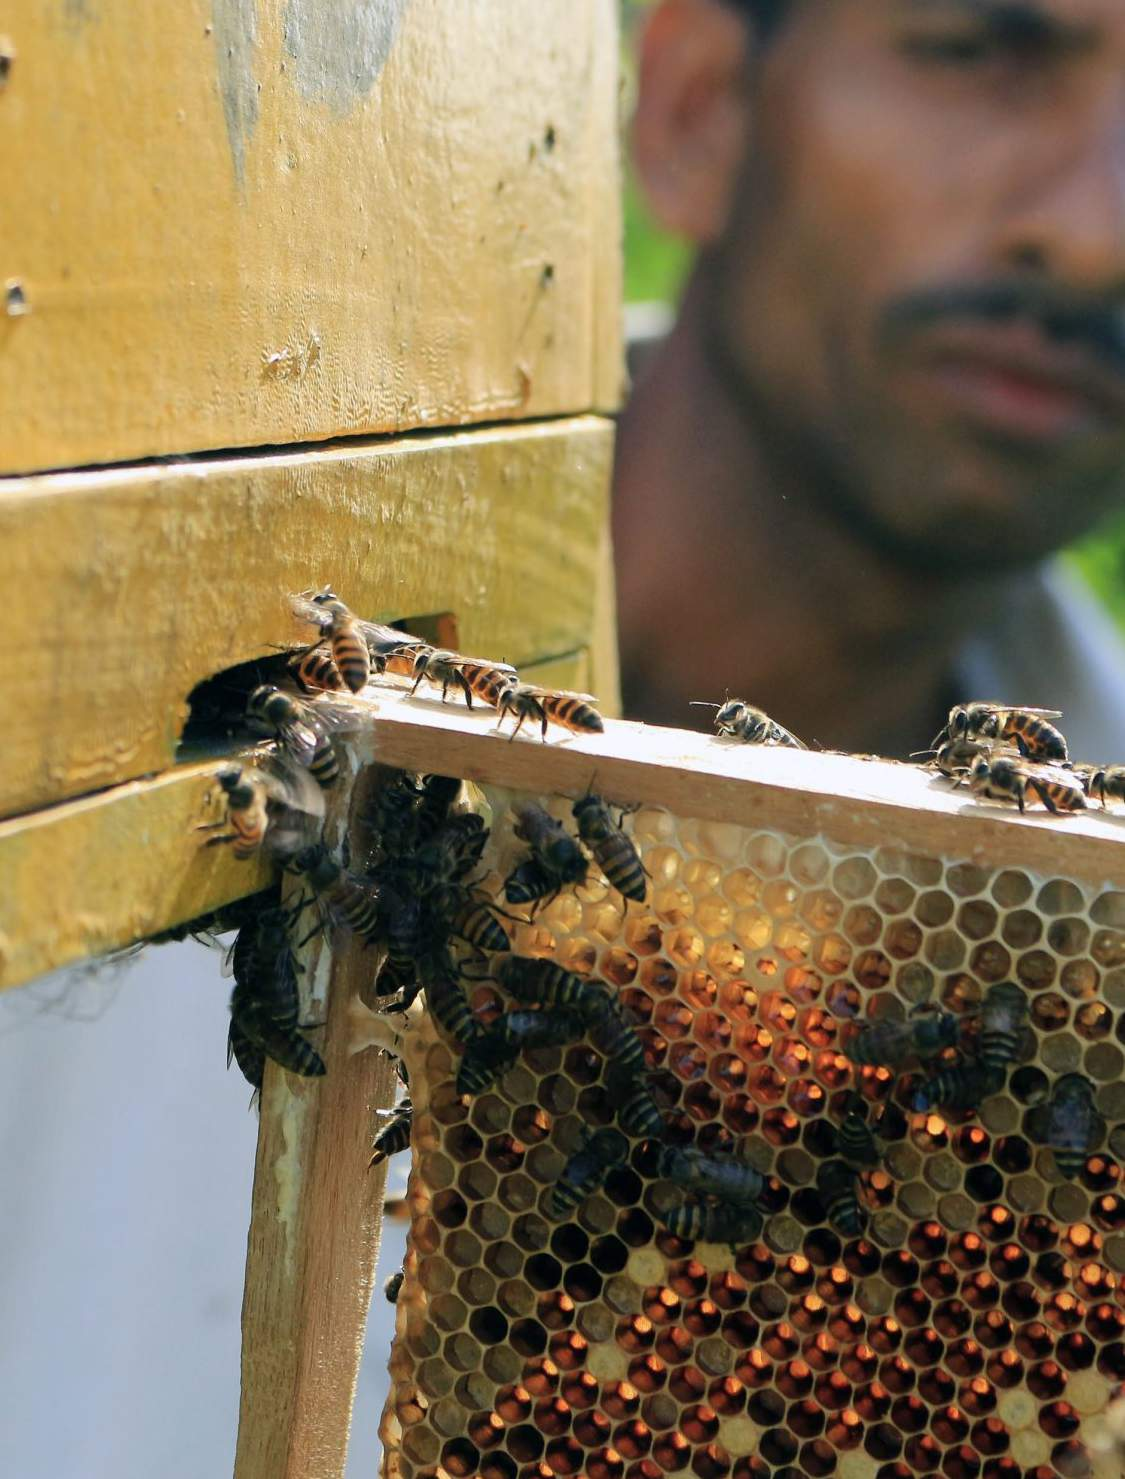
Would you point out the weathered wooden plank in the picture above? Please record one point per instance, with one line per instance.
(314, 1231)
(95, 875)
(251, 222)
(136, 584)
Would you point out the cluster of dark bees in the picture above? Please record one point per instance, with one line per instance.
(1010, 754)
(411, 896)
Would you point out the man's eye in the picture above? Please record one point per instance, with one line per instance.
(963, 50)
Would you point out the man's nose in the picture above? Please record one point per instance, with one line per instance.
(1069, 220)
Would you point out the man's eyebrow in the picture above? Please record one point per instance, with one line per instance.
(1017, 20)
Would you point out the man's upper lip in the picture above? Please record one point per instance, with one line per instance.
(1021, 349)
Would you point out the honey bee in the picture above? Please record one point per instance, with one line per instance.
(552, 847)
(469, 918)
(715, 1222)
(1026, 728)
(599, 1154)
(955, 757)
(1001, 779)
(961, 1086)
(445, 997)
(488, 680)
(401, 913)
(283, 803)
(443, 669)
(723, 1176)
(1003, 1015)
(736, 719)
(248, 1055)
(1069, 1123)
(390, 650)
(638, 1113)
(264, 1005)
(437, 795)
(341, 895)
(891, 1044)
(301, 730)
(855, 1139)
(612, 1036)
(315, 670)
(529, 882)
(612, 849)
(836, 1184)
(395, 1134)
(1102, 782)
(542, 981)
(393, 1286)
(345, 633)
(512, 1033)
(543, 706)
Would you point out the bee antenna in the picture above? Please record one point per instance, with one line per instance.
(917, 754)
(698, 703)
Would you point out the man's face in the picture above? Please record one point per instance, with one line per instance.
(921, 284)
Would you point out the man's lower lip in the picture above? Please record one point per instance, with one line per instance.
(1014, 404)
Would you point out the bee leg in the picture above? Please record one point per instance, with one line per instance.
(519, 726)
(1041, 791)
(543, 729)
(466, 690)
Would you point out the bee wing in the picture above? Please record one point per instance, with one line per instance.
(790, 737)
(306, 610)
(384, 640)
(458, 658)
(1041, 713)
(291, 786)
(589, 698)
(328, 713)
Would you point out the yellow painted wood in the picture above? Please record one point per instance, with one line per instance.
(252, 222)
(91, 876)
(136, 584)
(95, 875)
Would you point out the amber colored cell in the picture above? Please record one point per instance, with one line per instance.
(903, 940)
(934, 909)
(1036, 970)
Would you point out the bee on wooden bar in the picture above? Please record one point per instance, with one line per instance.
(715, 1222)
(836, 1182)
(612, 849)
(542, 981)
(488, 680)
(891, 1044)
(443, 669)
(345, 635)
(543, 706)
(954, 758)
(264, 1005)
(736, 719)
(855, 1139)
(1102, 783)
(390, 650)
(1003, 1015)
(722, 1176)
(301, 729)
(512, 1033)
(341, 895)
(1026, 728)
(395, 1134)
(248, 1055)
(1002, 779)
(961, 1086)
(316, 671)
(1069, 1123)
(282, 802)
(599, 1154)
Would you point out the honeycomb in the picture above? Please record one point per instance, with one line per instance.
(976, 1330)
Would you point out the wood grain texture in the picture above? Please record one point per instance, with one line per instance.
(254, 222)
(95, 875)
(136, 584)
(312, 1249)
(91, 876)
(849, 799)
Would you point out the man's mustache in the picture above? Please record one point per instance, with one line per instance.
(1097, 326)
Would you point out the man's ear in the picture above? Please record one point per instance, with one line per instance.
(691, 127)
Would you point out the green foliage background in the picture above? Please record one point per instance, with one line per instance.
(654, 268)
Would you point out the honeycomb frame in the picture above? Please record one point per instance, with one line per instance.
(977, 1328)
